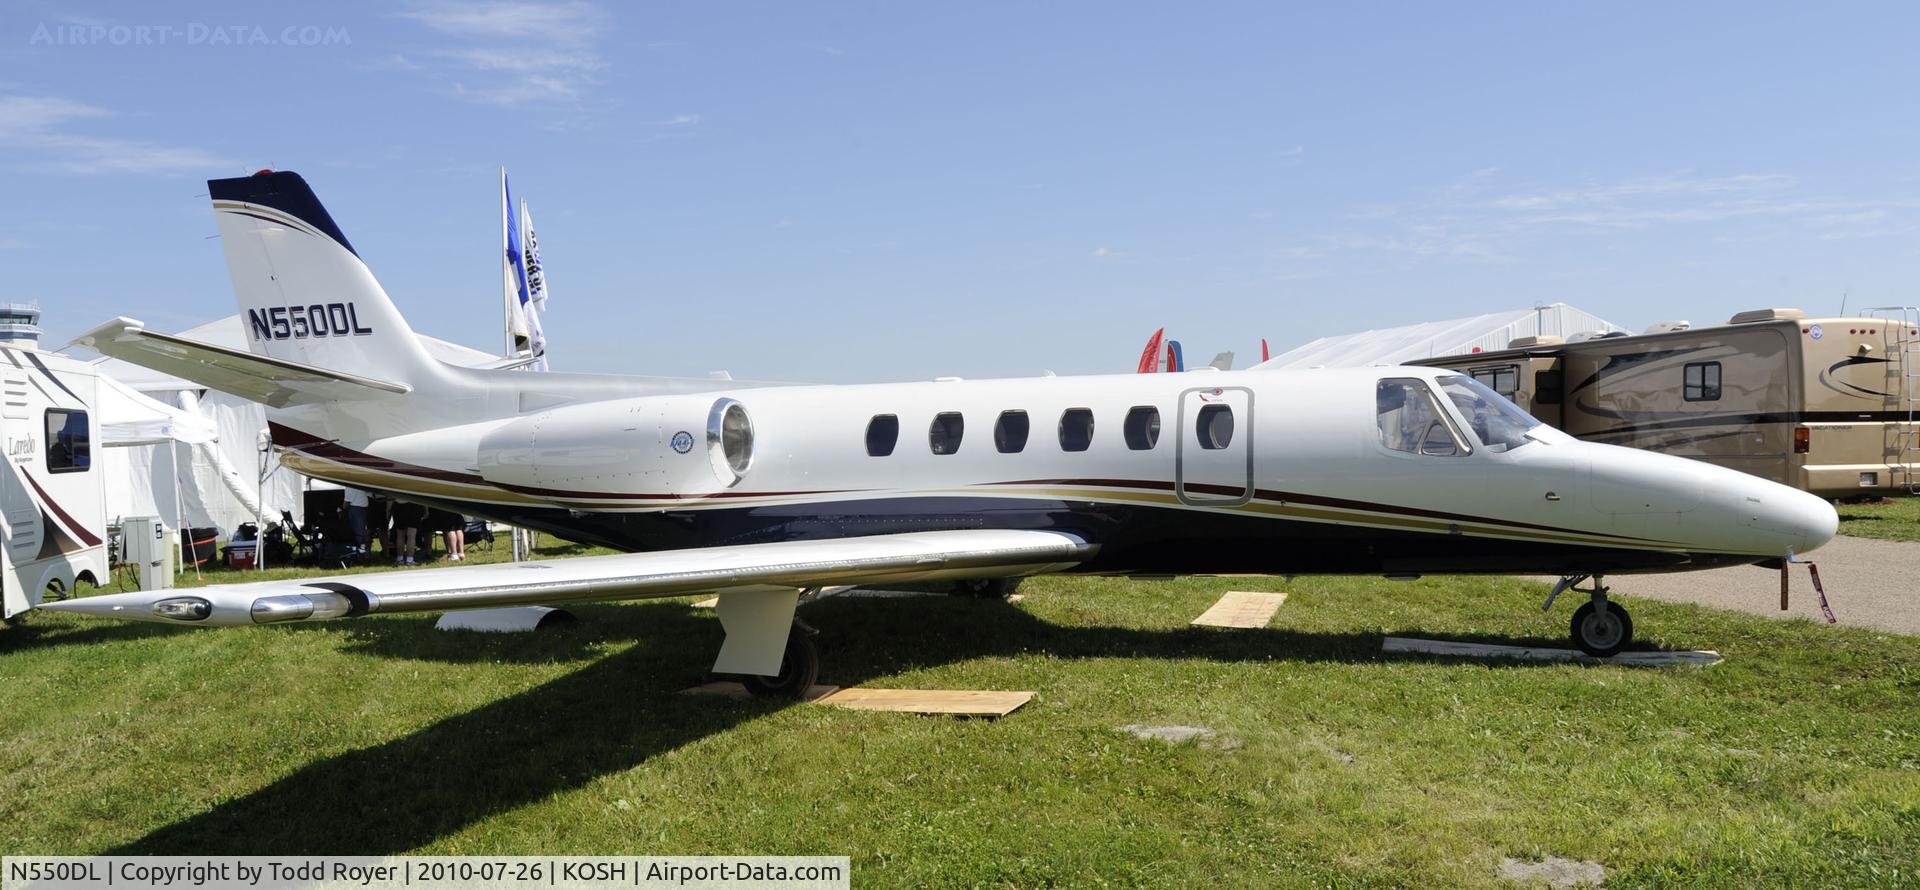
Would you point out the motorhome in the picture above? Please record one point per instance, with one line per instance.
(52, 504)
(1827, 405)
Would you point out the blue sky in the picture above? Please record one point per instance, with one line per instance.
(844, 192)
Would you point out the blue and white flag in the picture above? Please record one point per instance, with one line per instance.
(523, 319)
(536, 276)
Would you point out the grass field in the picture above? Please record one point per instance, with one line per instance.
(1796, 761)
(1895, 519)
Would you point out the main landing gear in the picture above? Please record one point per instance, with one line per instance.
(799, 667)
(1600, 627)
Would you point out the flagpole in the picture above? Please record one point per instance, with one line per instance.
(507, 295)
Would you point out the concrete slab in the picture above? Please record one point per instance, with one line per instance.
(1486, 650)
(950, 702)
(1241, 608)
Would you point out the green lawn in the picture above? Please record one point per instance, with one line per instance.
(1797, 761)
(1896, 519)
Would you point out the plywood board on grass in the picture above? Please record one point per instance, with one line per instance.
(1241, 608)
(957, 702)
(1542, 653)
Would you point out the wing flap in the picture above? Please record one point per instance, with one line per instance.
(271, 381)
(913, 556)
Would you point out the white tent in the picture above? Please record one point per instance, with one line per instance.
(1393, 346)
(128, 418)
(219, 482)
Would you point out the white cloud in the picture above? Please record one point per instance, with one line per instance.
(574, 22)
(43, 126)
(1476, 219)
(515, 53)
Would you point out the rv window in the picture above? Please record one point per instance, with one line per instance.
(882, 432)
(1504, 380)
(1498, 423)
(1411, 421)
(1701, 382)
(1214, 426)
(1076, 429)
(1142, 427)
(69, 448)
(944, 435)
(1546, 387)
(1010, 432)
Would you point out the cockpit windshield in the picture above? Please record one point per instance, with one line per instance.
(1500, 424)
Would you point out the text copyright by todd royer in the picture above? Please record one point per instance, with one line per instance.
(423, 872)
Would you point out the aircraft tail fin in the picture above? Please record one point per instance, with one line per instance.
(305, 297)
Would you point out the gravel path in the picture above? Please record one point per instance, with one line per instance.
(1870, 583)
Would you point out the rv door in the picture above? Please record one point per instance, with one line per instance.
(19, 515)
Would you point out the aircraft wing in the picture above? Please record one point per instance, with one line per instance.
(259, 378)
(786, 565)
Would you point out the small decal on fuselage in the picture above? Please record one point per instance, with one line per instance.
(683, 441)
(304, 322)
(1815, 332)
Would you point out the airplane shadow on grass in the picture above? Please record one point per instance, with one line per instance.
(621, 710)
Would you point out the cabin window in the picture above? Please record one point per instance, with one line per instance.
(883, 432)
(1213, 426)
(1142, 427)
(69, 448)
(1010, 432)
(1504, 380)
(1701, 382)
(1076, 429)
(1499, 424)
(1411, 421)
(944, 435)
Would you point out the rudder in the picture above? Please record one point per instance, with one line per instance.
(304, 294)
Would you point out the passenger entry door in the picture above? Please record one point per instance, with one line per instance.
(1214, 446)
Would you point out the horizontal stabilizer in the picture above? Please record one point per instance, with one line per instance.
(877, 559)
(259, 378)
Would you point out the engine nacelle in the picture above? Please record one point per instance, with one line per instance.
(669, 445)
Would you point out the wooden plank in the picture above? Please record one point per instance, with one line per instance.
(1537, 653)
(960, 703)
(1241, 608)
(964, 703)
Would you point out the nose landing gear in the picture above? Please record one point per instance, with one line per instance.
(1600, 627)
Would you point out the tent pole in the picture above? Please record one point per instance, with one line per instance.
(260, 504)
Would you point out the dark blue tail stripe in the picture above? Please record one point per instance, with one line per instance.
(283, 191)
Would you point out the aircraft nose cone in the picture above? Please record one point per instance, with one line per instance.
(1810, 519)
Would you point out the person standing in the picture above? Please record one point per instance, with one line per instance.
(456, 534)
(357, 519)
(407, 517)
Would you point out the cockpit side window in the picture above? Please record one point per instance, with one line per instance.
(1498, 423)
(1411, 421)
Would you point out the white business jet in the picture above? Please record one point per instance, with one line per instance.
(764, 493)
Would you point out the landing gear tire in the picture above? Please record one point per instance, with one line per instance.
(1601, 634)
(987, 588)
(799, 667)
